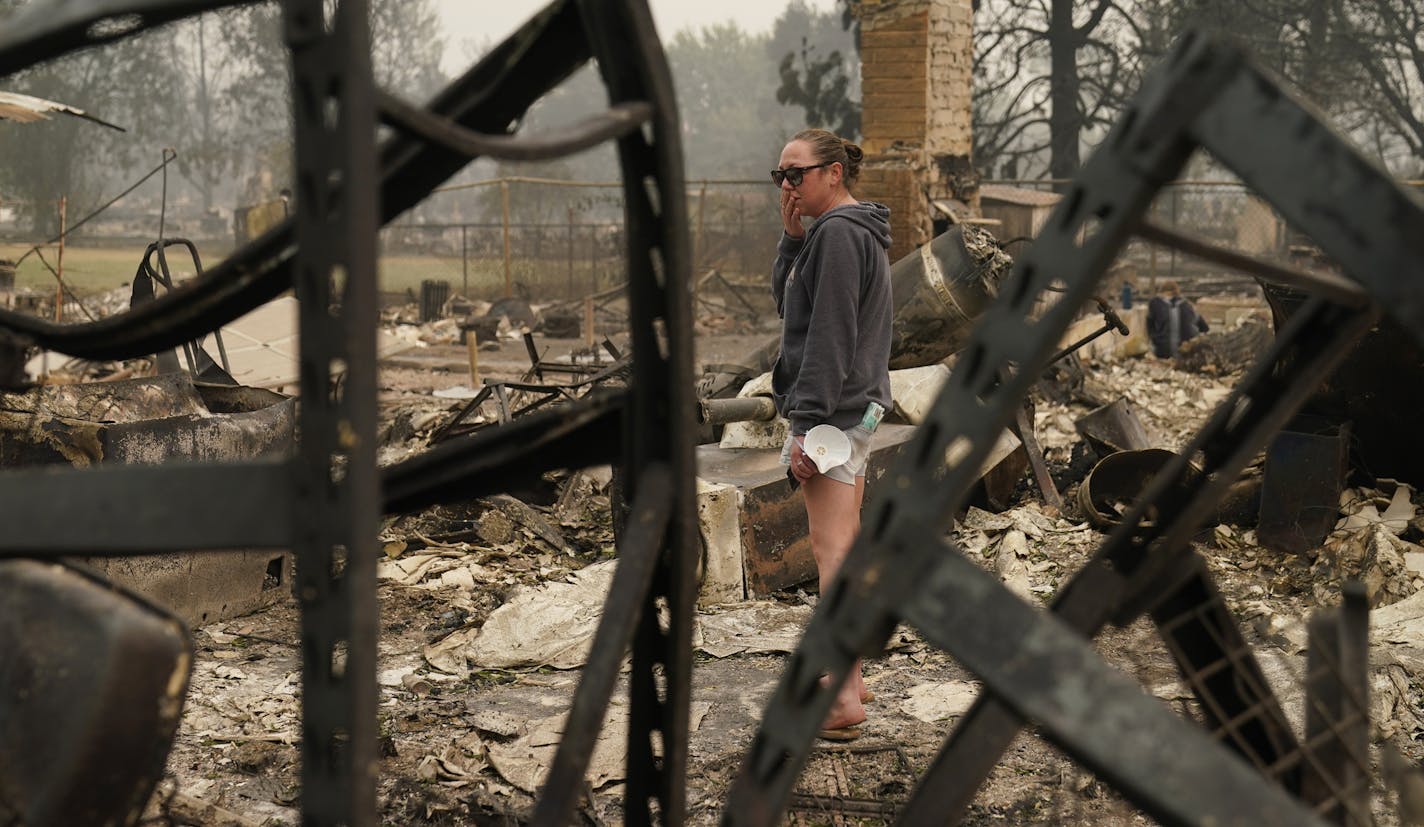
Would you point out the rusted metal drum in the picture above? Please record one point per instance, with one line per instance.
(1114, 484)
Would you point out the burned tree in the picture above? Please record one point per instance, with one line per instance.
(1047, 77)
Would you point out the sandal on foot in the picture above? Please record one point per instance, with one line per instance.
(845, 733)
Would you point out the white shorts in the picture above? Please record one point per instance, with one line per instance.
(851, 468)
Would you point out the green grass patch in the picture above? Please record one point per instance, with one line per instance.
(89, 270)
(86, 269)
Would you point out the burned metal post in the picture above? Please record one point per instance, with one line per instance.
(337, 496)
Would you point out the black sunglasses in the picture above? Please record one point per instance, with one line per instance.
(794, 174)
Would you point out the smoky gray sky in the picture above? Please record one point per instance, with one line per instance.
(472, 24)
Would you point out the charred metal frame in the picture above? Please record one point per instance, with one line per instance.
(1041, 667)
(534, 396)
(199, 362)
(325, 502)
(538, 366)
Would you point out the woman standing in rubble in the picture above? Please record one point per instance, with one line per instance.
(831, 281)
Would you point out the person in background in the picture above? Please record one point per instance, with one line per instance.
(831, 281)
(1172, 320)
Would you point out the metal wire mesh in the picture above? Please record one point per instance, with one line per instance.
(1342, 727)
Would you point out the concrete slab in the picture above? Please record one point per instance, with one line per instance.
(262, 346)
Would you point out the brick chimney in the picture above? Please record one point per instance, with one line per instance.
(917, 131)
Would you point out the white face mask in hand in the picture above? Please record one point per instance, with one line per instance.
(827, 446)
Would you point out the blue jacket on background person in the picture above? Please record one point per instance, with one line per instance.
(1172, 320)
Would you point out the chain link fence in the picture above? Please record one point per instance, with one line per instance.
(734, 228)
(1223, 213)
(550, 241)
(573, 246)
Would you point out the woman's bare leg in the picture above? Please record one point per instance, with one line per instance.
(833, 511)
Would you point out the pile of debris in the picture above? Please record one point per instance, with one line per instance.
(489, 611)
(1222, 352)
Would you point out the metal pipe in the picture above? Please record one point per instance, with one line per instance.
(743, 409)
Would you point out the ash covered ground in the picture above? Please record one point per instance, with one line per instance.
(473, 690)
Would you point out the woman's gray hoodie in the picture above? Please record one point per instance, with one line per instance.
(832, 291)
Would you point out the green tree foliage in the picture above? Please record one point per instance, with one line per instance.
(732, 124)
(818, 63)
(725, 79)
(732, 128)
(207, 157)
(406, 44)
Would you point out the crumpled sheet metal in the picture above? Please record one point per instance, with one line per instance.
(107, 674)
(141, 421)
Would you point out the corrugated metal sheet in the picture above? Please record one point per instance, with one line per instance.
(27, 109)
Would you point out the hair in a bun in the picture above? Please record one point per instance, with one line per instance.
(830, 148)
